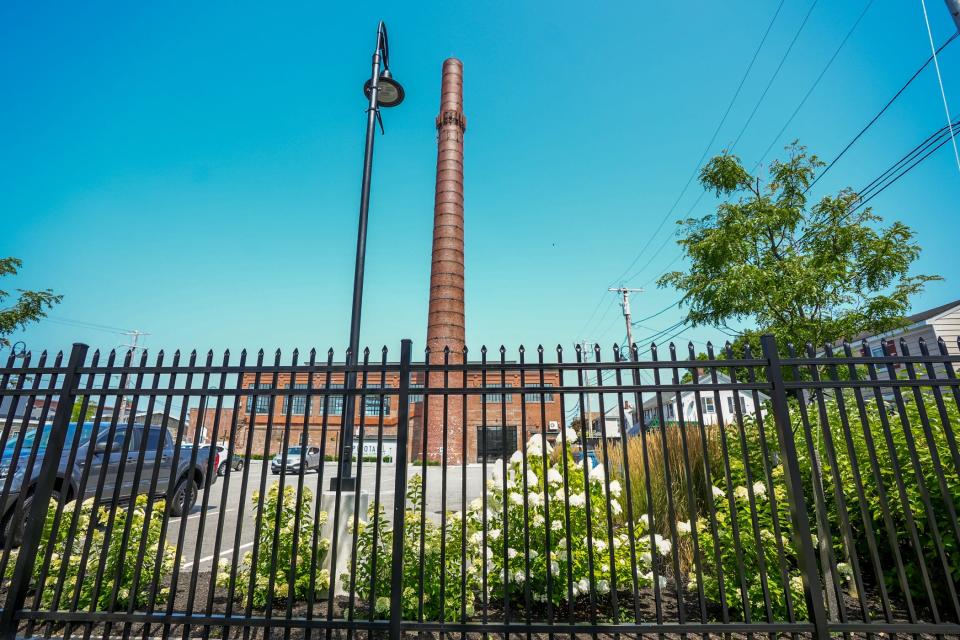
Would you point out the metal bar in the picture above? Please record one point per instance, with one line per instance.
(399, 488)
(798, 508)
(17, 591)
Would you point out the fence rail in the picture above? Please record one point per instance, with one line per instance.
(553, 492)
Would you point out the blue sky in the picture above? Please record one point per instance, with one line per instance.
(192, 169)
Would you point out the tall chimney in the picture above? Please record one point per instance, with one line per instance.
(445, 321)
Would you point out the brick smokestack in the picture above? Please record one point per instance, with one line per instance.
(445, 321)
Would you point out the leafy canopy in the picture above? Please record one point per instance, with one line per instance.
(805, 273)
(29, 307)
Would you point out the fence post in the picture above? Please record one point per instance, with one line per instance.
(798, 508)
(400, 491)
(27, 555)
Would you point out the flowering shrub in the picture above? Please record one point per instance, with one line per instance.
(294, 536)
(756, 555)
(533, 540)
(443, 598)
(67, 553)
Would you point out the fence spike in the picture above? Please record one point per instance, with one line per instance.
(540, 349)
(521, 349)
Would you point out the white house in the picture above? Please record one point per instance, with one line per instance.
(712, 414)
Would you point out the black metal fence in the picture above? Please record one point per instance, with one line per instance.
(808, 494)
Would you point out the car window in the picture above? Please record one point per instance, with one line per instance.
(153, 439)
(118, 437)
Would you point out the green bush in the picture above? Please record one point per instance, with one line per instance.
(512, 549)
(757, 555)
(902, 428)
(281, 512)
(125, 560)
(437, 605)
(519, 546)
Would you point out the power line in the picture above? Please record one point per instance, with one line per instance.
(86, 325)
(816, 82)
(881, 112)
(696, 168)
(943, 93)
(776, 72)
(654, 315)
(863, 201)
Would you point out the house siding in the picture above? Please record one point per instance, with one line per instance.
(947, 326)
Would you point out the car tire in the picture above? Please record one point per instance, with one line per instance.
(12, 532)
(184, 497)
(238, 465)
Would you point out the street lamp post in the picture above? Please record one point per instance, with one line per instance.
(381, 91)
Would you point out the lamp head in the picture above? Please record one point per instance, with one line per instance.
(389, 91)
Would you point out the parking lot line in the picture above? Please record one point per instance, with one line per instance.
(227, 552)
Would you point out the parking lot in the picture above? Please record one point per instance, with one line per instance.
(221, 515)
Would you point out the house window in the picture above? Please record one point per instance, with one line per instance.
(371, 402)
(299, 406)
(498, 397)
(730, 404)
(535, 396)
(877, 351)
(707, 405)
(263, 401)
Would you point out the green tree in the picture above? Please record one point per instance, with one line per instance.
(804, 272)
(30, 306)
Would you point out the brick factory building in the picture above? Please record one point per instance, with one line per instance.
(495, 412)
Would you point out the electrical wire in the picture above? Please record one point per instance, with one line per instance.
(816, 82)
(86, 325)
(943, 93)
(776, 72)
(707, 148)
(654, 315)
(880, 113)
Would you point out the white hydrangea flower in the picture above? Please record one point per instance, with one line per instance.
(646, 557)
(554, 567)
(517, 457)
(578, 500)
(583, 585)
(556, 525)
(535, 499)
(663, 545)
(511, 553)
(534, 450)
(519, 576)
(494, 534)
(532, 553)
(844, 569)
(741, 493)
(663, 582)
(615, 507)
(476, 504)
(571, 436)
(596, 474)
(554, 477)
(477, 537)
(615, 488)
(516, 498)
(536, 520)
(600, 545)
(683, 527)
(759, 489)
(532, 479)
(644, 521)
(603, 586)
(718, 492)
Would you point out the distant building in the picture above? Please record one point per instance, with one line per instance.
(931, 325)
(669, 410)
(505, 416)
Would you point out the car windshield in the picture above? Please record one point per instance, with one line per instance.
(31, 436)
(294, 451)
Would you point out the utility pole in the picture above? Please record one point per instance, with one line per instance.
(625, 304)
(135, 336)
